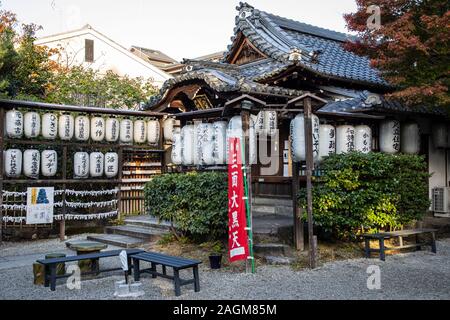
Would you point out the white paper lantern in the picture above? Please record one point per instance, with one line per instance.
(111, 164)
(81, 164)
(140, 131)
(188, 145)
(235, 131)
(14, 123)
(440, 132)
(208, 153)
(97, 129)
(82, 128)
(390, 136)
(168, 126)
(49, 163)
(204, 135)
(220, 142)
(270, 123)
(345, 139)
(112, 129)
(363, 138)
(153, 132)
(13, 163)
(31, 163)
(410, 138)
(327, 140)
(297, 136)
(259, 123)
(126, 131)
(176, 148)
(96, 164)
(49, 126)
(32, 124)
(66, 127)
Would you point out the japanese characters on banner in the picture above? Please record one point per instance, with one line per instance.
(39, 205)
(237, 220)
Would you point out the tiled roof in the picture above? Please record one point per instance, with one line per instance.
(321, 50)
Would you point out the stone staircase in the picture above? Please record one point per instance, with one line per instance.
(272, 229)
(136, 231)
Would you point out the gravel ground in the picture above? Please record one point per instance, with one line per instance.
(417, 275)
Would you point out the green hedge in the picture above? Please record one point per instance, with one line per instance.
(196, 202)
(368, 192)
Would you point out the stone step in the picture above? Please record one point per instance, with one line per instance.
(271, 249)
(279, 260)
(263, 210)
(147, 221)
(269, 201)
(117, 240)
(146, 233)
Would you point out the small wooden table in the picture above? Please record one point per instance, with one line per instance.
(381, 236)
(85, 247)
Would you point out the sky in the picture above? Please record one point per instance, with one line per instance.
(179, 28)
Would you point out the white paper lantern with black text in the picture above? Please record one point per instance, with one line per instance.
(126, 131)
(31, 163)
(440, 135)
(81, 164)
(188, 145)
(363, 138)
(220, 142)
(176, 148)
(410, 138)
(259, 123)
(14, 124)
(235, 131)
(49, 163)
(112, 128)
(153, 132)
(297, 136)
(13, 163)
(327, 140)
(168, 127)
(390, 136)
(32, 124)
(82, 128)
(49, 126)
(345, 139)
(270, 123)
(97, 129)
(204, 135)
(140, 131)
(66, 126)
(96, 164)
(111, 164)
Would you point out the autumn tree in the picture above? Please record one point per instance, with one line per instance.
(410, 46)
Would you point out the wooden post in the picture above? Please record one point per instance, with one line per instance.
(2, 122)
(309, 169)
(62, 224)
(299, 241)
(119, 176)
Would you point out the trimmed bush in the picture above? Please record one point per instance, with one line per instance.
(196, 202)
(369, 192)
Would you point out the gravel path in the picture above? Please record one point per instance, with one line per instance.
(417, 275)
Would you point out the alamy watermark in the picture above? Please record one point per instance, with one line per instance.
(374, 279)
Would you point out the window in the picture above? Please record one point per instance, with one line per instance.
(88, 50)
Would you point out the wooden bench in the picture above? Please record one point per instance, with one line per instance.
(50, 275)
(382, 236)
(176, 263)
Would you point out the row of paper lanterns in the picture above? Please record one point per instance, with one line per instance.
(327, 139)
(207, 143)
(81, 128)
(32, 162)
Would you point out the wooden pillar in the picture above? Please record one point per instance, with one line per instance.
(2, 122)
(119, 185)
(309, 169)
(62, 224)
(299, 242)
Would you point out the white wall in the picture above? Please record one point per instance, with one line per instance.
(106, 57)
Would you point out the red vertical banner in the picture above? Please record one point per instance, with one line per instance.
(237, 220)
